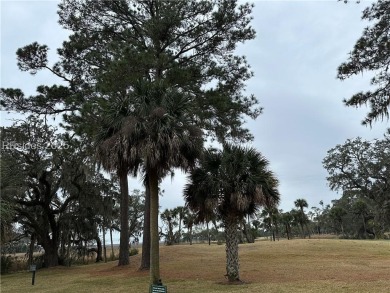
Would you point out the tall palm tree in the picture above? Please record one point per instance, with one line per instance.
(270, 217)
(302, 203)
(189, 220)
(112, 145)
(160, 132)
(232, 183)
(286, 219)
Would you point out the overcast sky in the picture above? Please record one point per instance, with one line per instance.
(295, 56)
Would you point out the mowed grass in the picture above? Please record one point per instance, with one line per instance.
(310, 265)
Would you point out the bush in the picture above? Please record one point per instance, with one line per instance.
(133, 251)
(6, 263)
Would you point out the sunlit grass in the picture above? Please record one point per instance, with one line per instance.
(316, 265)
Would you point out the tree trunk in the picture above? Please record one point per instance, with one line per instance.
(112, 245)
(208, 233)
(69, 242)
(104, 242)
(51, 255)
(124, 258)
(308, 230)
(287, 232)
(99, 249)
(62, 249)
(215, 225)
(303, 231)
(232, 266)
(145, 261)
(179, 227)
(190, 231)
(272, 227)
(154, 238)
(169, 236)
(31, 250)
(364, 227)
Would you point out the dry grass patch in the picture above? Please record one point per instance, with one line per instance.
(316, 265)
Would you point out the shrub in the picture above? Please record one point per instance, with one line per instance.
(133, 251)
(6, 263)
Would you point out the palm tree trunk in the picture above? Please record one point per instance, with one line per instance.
(190, 231)
(303, 231)
(145, 261)
(124, 210)
(154, 239)
(232, 266)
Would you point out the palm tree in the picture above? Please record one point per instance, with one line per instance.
(189, 220)
(271, 218)
(179, 212)
(232, 183)
(302, 203)
(161, 134)
(286, 219)
(112, 145)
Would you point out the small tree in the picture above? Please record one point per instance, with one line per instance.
(336, 214)
(361, 210)
(169, 218)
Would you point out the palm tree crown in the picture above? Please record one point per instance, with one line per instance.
(301, 203)
(234, 182)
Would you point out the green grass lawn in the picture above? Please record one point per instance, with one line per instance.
(311, 265)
